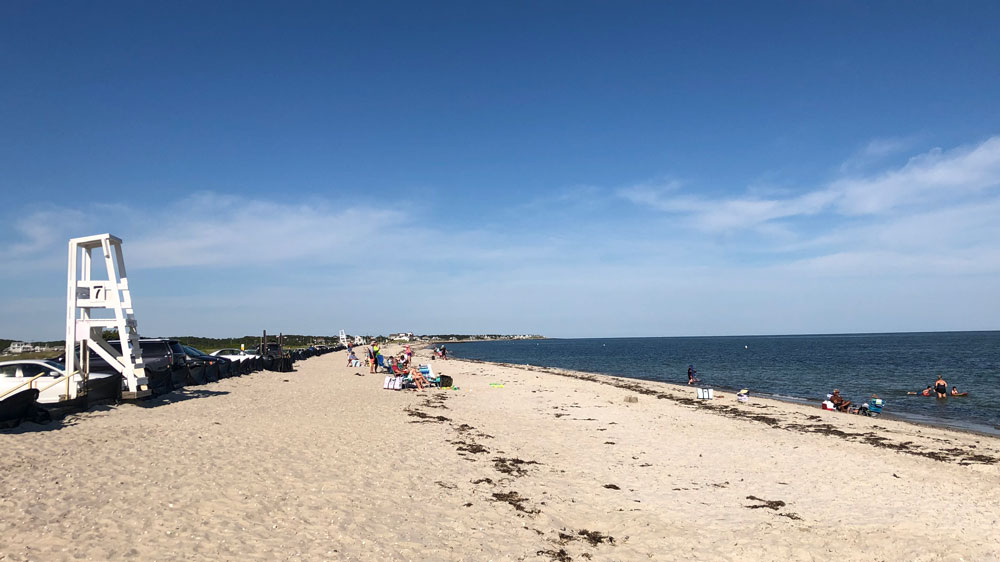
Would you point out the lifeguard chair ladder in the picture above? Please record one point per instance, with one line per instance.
(95, 304)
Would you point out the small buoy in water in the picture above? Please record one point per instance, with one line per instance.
(746, 347)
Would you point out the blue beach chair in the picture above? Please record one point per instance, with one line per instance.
(874, 407)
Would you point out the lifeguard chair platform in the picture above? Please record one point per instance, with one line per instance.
(93, 305)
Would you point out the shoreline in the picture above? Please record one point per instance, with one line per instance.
(974, 428)
(324, 464)
(625, 382)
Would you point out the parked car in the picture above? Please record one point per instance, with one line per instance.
(237, 354)
(100, 385)
(163, 360)
(272, 350)
(243, 362)
(214, 367)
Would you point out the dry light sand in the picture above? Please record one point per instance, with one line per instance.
(322, 464)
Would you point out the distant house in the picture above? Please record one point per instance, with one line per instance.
(402, 336)
(22, 347)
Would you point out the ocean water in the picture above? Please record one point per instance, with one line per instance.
(806, 367)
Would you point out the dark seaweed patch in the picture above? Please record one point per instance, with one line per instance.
(558, 555)
(511, 466)
(474, 448)
(769, 504)
(425, 417)
(514, 499)
(595, 537)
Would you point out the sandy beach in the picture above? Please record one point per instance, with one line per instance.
(517, 463)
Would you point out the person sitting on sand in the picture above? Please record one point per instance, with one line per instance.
(838, 401)
(352, 359)
(941, 387)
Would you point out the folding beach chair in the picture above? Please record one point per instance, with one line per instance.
(873, 407)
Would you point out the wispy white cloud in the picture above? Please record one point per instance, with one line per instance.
(224, 230)
(935, 177)
(723, 214)
(875, 152)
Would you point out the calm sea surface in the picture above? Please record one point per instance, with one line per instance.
(794, 367)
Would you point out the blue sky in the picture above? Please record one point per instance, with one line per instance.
(571, 169)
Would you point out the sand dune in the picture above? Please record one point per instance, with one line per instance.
(322, 464)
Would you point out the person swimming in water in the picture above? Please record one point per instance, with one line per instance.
(925, 392)
(941, 387)
(955, 392)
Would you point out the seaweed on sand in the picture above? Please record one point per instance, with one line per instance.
(473, 447)
(425, 417)
(769, 504)
(513, 466)
(558, 555)
(514, 499)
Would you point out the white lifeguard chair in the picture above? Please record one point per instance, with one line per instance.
(95, 304)
(343, 338)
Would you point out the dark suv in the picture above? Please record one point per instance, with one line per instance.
(163, 361)
(272, 350)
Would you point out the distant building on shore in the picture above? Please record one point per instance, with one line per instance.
(19, 347)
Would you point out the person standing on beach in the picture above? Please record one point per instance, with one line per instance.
(941, 387)
(691, 372)
(378, 355)
(371, 360)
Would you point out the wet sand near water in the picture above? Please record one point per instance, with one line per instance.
(519, 463)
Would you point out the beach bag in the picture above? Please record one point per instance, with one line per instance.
(445, 380)
(397, 383)
(387, 384)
